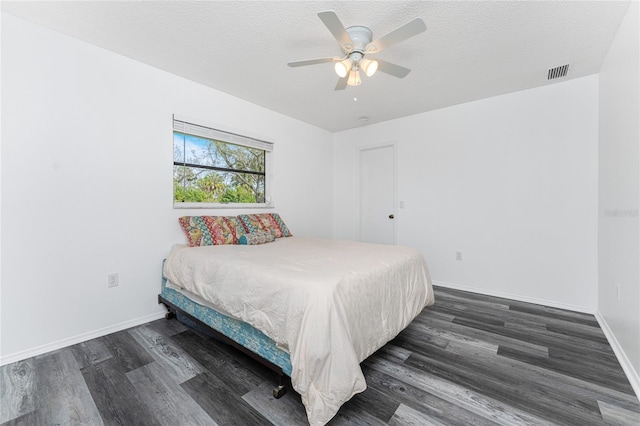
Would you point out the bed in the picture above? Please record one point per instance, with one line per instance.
(312, 309)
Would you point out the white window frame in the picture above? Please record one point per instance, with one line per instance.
(197, 128)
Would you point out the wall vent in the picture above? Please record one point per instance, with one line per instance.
(558, 72)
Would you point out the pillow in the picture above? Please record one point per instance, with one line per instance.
(211, 230)
(279, 223)
(265, 222)
(227, 228)
(252, 223)
(196, 231)
(257, 237)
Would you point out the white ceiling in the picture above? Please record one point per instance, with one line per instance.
(471, 49)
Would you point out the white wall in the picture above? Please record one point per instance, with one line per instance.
(87, 183)
(510, 181)
(619, 193)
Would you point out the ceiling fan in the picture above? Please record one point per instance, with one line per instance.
(356, 43)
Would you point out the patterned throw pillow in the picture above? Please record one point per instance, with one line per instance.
(252, 223)
(211, 230)
(265, 222)
(279, 223)
(196, 231)
(226, 229)
(257, 237)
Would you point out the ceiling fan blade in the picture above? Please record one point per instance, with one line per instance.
(310, 62)
(332, 22)
(392, 69)
(406, 31)
(342, 83)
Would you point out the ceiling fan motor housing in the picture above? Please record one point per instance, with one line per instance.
(361, 36)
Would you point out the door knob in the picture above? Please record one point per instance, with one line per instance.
(391, 216)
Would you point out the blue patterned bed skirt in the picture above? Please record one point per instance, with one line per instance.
(238, 331)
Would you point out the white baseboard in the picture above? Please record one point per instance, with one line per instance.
(39, 350)
(520, 298)
(632, 374)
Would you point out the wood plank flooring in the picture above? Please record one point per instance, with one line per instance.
(468, 360)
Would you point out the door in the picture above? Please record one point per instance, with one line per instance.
(377, 194)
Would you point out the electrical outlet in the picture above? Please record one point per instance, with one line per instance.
(458, 255)
(112, 280)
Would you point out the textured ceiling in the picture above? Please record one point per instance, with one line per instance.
(471, 50)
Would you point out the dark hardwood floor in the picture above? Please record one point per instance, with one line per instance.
(467, 360)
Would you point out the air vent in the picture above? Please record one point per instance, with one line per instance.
(558, 72)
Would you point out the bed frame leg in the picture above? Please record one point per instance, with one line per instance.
(170, 312)
(281, 389)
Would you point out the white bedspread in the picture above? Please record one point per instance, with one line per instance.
(329, 303)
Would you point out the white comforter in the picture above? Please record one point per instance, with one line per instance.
(329, 303)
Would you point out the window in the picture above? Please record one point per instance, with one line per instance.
(213, 168)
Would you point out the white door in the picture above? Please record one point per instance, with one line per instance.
(377, 194)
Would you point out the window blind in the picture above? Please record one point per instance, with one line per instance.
(182, 126)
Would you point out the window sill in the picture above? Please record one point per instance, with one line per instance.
(223, 206)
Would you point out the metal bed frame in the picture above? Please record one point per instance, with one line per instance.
(173, 310)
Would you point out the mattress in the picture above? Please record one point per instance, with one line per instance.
(328, 303)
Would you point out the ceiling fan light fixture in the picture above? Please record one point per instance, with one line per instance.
(342, 68)
(369, 67)
(355, 42)
(354, 77)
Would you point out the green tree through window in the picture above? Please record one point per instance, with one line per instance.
(212, 171)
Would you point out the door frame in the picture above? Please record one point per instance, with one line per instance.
(359, 150)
